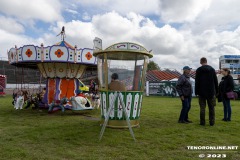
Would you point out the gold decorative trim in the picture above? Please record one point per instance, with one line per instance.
(127, 51)
(120, 123)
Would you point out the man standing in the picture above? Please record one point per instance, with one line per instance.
(206, 87)
(184, 89)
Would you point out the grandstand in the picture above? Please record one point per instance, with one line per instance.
(19, 75)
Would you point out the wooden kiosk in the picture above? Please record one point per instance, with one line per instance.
(129, 62)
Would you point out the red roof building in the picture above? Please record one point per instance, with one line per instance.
(165, 75)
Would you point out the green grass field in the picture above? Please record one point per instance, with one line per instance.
(31, 134)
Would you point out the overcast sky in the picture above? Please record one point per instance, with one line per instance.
(179, 32)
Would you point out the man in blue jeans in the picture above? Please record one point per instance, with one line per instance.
(184, 89)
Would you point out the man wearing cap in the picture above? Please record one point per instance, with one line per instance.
(184, 89)
(206, 87)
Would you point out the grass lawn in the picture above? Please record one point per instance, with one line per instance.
(31, 134)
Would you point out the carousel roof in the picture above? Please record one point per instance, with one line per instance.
(64, 44)
(29, 56)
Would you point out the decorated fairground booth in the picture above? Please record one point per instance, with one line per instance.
(62, 65)
(3, 82)
(121, 73)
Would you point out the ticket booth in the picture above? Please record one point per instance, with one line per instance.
(122, 67)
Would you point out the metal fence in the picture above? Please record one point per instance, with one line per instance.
(17, 75)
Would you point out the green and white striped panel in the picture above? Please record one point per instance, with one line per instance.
(132, 100)
(104, 102)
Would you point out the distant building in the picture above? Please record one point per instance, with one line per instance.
(231, 62)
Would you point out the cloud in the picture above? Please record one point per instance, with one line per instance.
(207, 28)
(165, 41)
(92, 2)
(221, 15)
(86, 16)
(123, 7)
(180, 11)
(170, 11)
(10, 25)
(9, 40)
(77, 33)
(173, 48)
(144, 7)
(111, 25)
(71, 11)
(44, 10)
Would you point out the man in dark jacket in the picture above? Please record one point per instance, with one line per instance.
(206, 87)
(184, 89)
